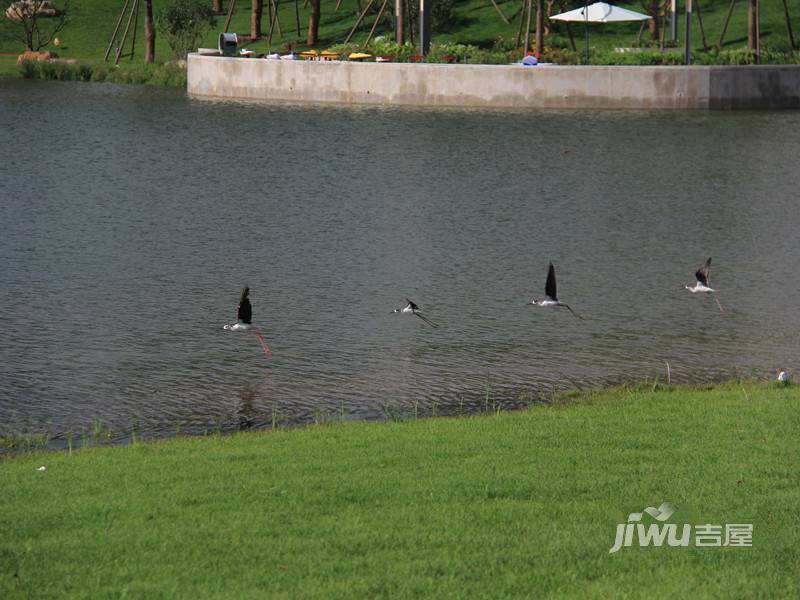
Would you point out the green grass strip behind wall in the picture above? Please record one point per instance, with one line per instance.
(476, 22)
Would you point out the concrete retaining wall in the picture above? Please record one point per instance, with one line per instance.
(496, 86)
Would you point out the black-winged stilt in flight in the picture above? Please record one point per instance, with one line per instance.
(551, 293)
(702, 285)
(413, 309)
(244, 316)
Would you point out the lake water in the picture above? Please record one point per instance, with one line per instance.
(131, 218)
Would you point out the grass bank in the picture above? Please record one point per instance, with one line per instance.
(517, 504)
(474, 32)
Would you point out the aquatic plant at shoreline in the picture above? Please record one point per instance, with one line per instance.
(167, 74)
(489, 401)
(14, 443)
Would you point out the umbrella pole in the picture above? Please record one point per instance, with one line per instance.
(571, 39)
(586, 27)
(688, 41)
(673, 20)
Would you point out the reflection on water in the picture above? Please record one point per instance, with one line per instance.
(132, 217)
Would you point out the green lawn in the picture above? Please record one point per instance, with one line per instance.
(514, 505)
(87, 36)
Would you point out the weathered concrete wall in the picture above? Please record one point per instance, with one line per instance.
(506, 86)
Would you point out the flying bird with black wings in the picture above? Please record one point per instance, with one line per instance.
(551, 293)
(412, 309)
(244, 320)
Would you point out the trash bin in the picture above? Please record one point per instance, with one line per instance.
(227, 44)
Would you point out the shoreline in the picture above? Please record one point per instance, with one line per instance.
(165, 74)
(100, 435)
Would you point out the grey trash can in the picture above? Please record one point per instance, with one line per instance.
(227, 44)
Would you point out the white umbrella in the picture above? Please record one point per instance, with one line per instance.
(599, 12)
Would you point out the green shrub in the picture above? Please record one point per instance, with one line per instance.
(57, 71)
(46, 71)
(743, 56)
(29, 69)
(169, 74)
(100, 74)
(382, 46)
(184, 23)
(643, 57)
(561, 56)
(345, 49)
(83, 73)
(502, 44)
(467, 54)
(130, 74)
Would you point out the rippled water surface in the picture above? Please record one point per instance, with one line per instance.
(131, 217)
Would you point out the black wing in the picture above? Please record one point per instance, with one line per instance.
(412, 305)
(702, 272)
(550, 286)
(245, 313)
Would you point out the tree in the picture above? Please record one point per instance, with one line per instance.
(216, 6)
(752, 25)
(184, 23)
(34, 23)
(255, 21)
(655, 12)
(313, 23)
(399, 11)
(149, 33)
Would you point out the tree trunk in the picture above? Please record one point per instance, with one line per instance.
(28, 31)
(216, 6)
(399, 13)
(255, 21)
(539, 45)
(751, 25)
(548, 26)
(655, 6)
(149, 33)
(313, 24)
